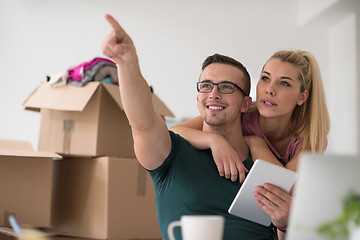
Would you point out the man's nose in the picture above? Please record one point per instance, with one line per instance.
(215, 94)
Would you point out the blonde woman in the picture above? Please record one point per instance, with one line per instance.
(290, 117)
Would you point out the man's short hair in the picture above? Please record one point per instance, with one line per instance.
(218, 58)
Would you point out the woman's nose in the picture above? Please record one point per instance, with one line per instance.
(270, 90)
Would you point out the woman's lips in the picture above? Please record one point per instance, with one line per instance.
(268, 103)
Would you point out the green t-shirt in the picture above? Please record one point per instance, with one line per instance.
(188, 183)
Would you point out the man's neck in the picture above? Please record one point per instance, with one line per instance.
(233, 134)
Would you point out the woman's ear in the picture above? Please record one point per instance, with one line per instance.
(246, 104)
(303, 97)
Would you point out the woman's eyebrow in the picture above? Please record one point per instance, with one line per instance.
(289, 78)
(283, 77)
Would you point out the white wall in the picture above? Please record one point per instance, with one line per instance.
(41, 37)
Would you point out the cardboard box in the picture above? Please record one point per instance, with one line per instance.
(85, 121)
(15, 145)
(104, 198)
(25, 185)
(7, 234)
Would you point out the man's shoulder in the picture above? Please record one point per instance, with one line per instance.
(178, 140)
(179, 145)
(175, 138)
(181, 152)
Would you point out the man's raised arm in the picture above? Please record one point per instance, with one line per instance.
(151, 137)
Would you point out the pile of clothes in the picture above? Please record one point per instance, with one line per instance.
(97, 69)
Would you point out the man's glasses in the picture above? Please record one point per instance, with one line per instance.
(223, 87)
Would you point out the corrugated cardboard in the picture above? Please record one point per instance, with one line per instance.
(104, 198)
(15, 145)
(5, 236)
(8, 234)
(85, 121)
(26, 186)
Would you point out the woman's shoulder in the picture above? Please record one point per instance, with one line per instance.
(250, 123)
(251, 114)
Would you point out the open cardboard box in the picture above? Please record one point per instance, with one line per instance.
(15, 145)
(104, 198)
(8, 234)
(85, 121)
(26, 178)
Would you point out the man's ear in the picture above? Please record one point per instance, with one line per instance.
(246, 104)
(303, 97)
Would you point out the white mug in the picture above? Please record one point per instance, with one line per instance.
(198, 227)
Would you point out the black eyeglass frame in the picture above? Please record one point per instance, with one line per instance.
(217, 84)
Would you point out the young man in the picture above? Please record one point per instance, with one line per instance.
(186, 180)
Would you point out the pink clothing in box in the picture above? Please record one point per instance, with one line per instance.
(77, 73)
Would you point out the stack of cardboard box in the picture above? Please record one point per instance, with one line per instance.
(25, 183)
(97, 188)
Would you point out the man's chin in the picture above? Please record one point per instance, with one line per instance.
(214, 122)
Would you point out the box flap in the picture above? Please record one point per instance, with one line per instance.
(46, 232)
(66, 98)
(28, 153)
(159, 106)
(15, 145)
(114, 92)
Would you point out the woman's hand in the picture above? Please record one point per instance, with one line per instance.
(275, 202)
(226, 159)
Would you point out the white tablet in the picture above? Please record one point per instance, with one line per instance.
(244, 204)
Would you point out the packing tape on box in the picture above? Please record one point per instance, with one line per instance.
(67, 128)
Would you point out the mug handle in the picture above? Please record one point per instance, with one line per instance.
(171, 229)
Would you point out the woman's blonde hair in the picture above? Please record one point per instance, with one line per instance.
(309, 121)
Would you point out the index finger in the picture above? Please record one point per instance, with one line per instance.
(118, 30)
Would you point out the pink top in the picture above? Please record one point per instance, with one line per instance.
(77, 73)
(251, 126)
